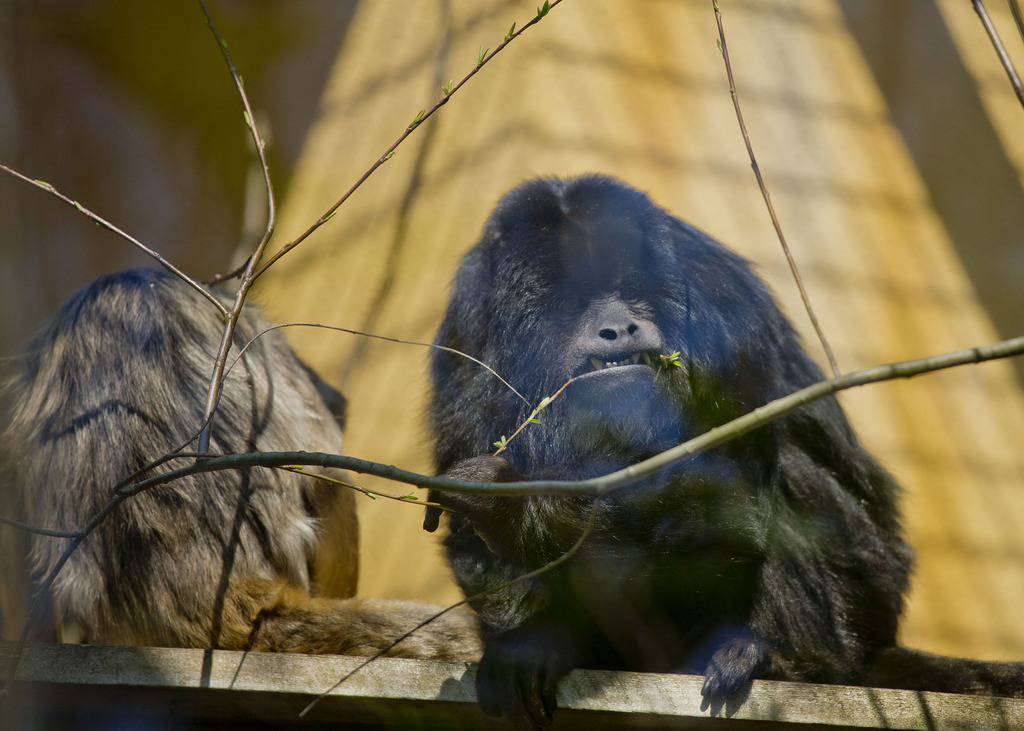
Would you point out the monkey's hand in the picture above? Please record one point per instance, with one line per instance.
(519, 673)
(481, 510)
(731, 670)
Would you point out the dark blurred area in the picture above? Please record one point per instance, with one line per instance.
(128, 107)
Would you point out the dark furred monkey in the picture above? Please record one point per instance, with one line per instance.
(253, 558)
(777, 555)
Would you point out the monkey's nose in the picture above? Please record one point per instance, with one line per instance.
(622, 331)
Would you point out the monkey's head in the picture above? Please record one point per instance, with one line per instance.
(664, 331)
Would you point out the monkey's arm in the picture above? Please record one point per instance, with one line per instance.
(534, 633)
(534, 529)
(808, 617)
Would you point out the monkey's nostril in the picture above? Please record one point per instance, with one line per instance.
(633, 327)
(607, 333)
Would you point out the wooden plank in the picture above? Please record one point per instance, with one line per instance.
(190, 687)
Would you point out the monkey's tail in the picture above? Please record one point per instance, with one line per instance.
(901, 667)
(272, 616)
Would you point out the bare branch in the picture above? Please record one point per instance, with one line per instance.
(596, 487)
(104, 223)
(1018, 16)
(217, 377)
(401, 341)
(603, 485)
(833, 365)
(233, 274)
(38, 531)
(503, 443)
(447, 93)
(997, 43)
(372, 494)
(120, 493)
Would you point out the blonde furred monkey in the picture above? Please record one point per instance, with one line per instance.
(261, 559)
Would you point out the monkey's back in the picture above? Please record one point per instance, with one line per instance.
(119, 377)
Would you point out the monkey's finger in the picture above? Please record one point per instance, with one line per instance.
(549, 690)
(431, 519)
(529, 687)
(708, 691)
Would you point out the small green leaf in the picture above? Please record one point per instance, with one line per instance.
(411, 498)
(419, 118)
(543, 9)
(502, 442)
(511, 32)
(447, 88)
(543, 403)
(329, 216)
(80, 207)
(718, 42)
(294, 468)
(533, 420)
(672, 360)
(482, 56)
(714, 4)
(247, 118)
(388, 156)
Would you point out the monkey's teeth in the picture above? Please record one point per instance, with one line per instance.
(637, 358)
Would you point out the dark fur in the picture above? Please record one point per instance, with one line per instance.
(777, 555)
(222, 559)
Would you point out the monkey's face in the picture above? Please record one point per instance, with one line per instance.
(594, 306)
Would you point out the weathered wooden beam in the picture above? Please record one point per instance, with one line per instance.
(82, 684)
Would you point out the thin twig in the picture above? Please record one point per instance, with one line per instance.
(233, 274)
(38, 531)
(997, 43)
(386, 338)
(372, 494)
(833, 365)
(422, 117)
(597, 486)
(503, 443)
(588, 528)
(217, 377)
(1018, 16)
(104, 223)
(250, 275)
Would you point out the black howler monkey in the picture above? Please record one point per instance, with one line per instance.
(778, 555)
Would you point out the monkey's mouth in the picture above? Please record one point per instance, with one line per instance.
(615, 362)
